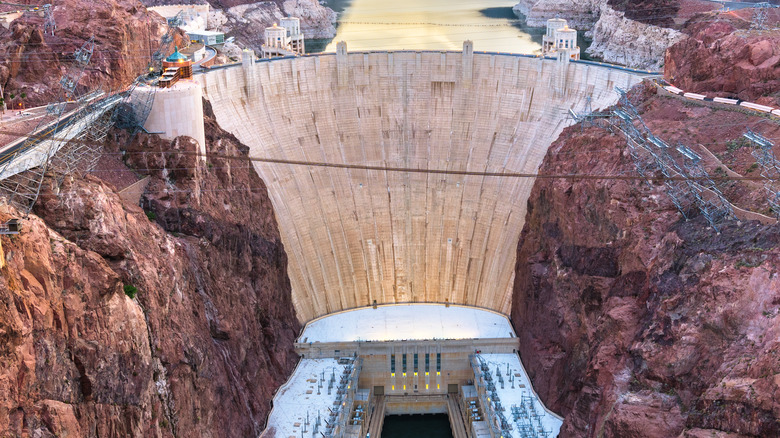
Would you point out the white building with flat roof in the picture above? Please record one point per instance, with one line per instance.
(207, 37)
(357, 366)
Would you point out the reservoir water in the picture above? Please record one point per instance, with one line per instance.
(429, 25)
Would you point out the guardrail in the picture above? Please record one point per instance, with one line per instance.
(516, 55)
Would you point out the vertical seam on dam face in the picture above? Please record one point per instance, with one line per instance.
(355, 236)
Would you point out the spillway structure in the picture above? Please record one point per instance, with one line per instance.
(401, 234)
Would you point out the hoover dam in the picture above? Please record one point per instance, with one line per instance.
(400, 182)
(362, 237)
(411, 236)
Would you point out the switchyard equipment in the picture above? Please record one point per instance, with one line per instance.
(770, 167)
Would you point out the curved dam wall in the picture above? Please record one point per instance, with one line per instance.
(354, 237)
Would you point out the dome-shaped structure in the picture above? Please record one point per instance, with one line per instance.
(177, 56)
(177, 61)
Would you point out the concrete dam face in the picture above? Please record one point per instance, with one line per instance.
(356, 237)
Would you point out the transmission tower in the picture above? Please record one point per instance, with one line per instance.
(676, 189)
(711, 202)
(586, 117)
(22, 173)
(760, 15)
(770, 167)
(49, 26)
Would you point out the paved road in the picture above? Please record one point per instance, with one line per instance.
(210, 54)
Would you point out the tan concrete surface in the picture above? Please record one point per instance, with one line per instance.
(178, 111)
(358, 236)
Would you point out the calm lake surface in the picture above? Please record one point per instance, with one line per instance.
(429, 25)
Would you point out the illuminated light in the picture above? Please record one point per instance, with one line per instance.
(404, 387)
(404, 374)
(438, 373)
(392, 374)
(415, 373)
(349, 386)
(438, 386)
(426, 373)
(426, 386)
(393, 387)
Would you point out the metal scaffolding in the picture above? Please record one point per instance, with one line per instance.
(709, 199)
(135, 106)
(770, 168)
(22, 187)
(685, 179)
(81, 154)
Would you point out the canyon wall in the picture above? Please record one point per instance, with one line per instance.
(726, 58)
(32, 63)
(621, 40)
(207, 336)
(619, 33)
(634, 322)
(248, 21)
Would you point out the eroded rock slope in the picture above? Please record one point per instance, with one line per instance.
(32, 62)
(208, 336)
(634, 322)
(727, 58)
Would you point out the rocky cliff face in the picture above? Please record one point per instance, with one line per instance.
(619, 39)
(208, 336)
(634, 322)
(579, 14)
(620, 33)
(247, 21)
(33, 63)
(656, 12)
(726, 58)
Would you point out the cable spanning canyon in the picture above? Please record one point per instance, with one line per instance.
(357, 237)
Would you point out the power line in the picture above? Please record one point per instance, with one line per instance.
(269, 160)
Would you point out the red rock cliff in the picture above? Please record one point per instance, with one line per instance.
(33, 63)
(726, 58)
(633, 322)
(204, 343)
